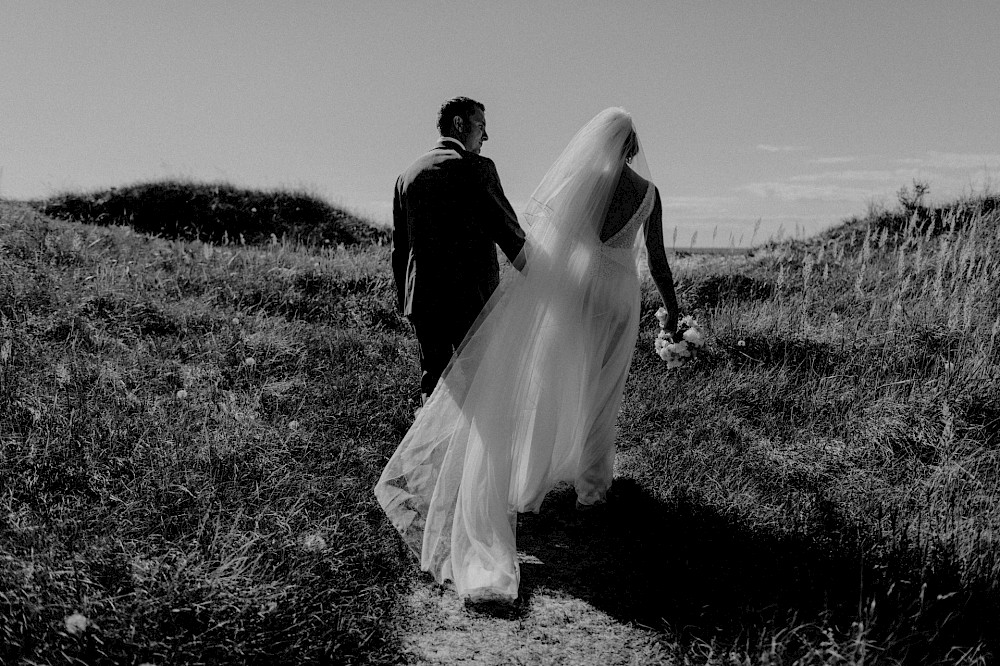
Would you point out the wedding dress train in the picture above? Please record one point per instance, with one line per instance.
(531, 397)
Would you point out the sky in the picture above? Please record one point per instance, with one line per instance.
(784, 116)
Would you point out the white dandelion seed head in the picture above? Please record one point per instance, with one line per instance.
(181, 394)
(314, 543)
(76, 623)
(250, 361)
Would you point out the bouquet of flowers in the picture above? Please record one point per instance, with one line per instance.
(678, 348)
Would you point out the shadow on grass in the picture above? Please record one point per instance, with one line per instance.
(683, 567)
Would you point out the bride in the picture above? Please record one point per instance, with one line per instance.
(531, 396)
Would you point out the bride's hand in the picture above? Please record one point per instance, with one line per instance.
(668, 321)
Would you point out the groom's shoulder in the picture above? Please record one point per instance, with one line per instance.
(480, 164)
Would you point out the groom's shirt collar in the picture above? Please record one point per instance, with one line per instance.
(451, 139)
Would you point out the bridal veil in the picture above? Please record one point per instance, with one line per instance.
(531, 396)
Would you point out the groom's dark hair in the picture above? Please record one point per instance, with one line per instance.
(462, 107)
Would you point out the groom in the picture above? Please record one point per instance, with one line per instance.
(449, 213)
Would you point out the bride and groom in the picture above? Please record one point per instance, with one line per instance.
(522, 381)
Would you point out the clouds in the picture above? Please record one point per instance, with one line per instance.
(698, 206)
(877, 177)
(936, 160)
(766, 148)
(857, 175)
(795, 191)
(835, 160)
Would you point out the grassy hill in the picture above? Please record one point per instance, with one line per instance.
(215, 213)
(190, 433)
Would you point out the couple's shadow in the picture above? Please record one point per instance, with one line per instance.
(677, 565)
(681, 566)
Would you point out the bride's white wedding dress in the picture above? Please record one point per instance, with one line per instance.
(532, 395)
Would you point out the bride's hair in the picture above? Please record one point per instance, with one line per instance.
(631, 146)
(463, 107)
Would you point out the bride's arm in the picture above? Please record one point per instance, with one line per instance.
(658, 267)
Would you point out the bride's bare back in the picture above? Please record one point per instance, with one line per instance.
(625, 201)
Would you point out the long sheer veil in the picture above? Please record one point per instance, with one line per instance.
(505, 421)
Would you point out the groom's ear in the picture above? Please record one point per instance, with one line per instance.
(458, 124)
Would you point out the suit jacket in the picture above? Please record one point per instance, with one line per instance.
(449, 213)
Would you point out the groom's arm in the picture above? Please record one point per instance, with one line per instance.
(400, 246)
(504, 228)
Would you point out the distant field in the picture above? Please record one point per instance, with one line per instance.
(190, 431)
(709, 250)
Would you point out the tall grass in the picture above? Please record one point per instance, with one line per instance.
(188, 438)
(850, 397)
(189, 433)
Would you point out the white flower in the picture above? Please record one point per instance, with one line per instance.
(661, 316)
(693, 336)
(250, 361)
(314, 543)
(663, 353)
(293, 424)
(236, 321)
(674, 363)
(741, 343)
(689, 322)
(681, 349)
(181, 394)
(76, 623)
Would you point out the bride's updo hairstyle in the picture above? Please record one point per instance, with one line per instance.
(631, 147)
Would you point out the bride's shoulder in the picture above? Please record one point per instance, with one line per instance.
(637, 181)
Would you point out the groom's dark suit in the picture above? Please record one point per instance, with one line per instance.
(449, 213)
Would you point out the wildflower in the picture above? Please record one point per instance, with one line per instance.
(293, 425)
(314, 543)
(181, 394)
(661, 316)
(741, 343)
(250, 361)
(236, 321)
(76, 623)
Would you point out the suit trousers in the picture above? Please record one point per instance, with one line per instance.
(437, 338)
